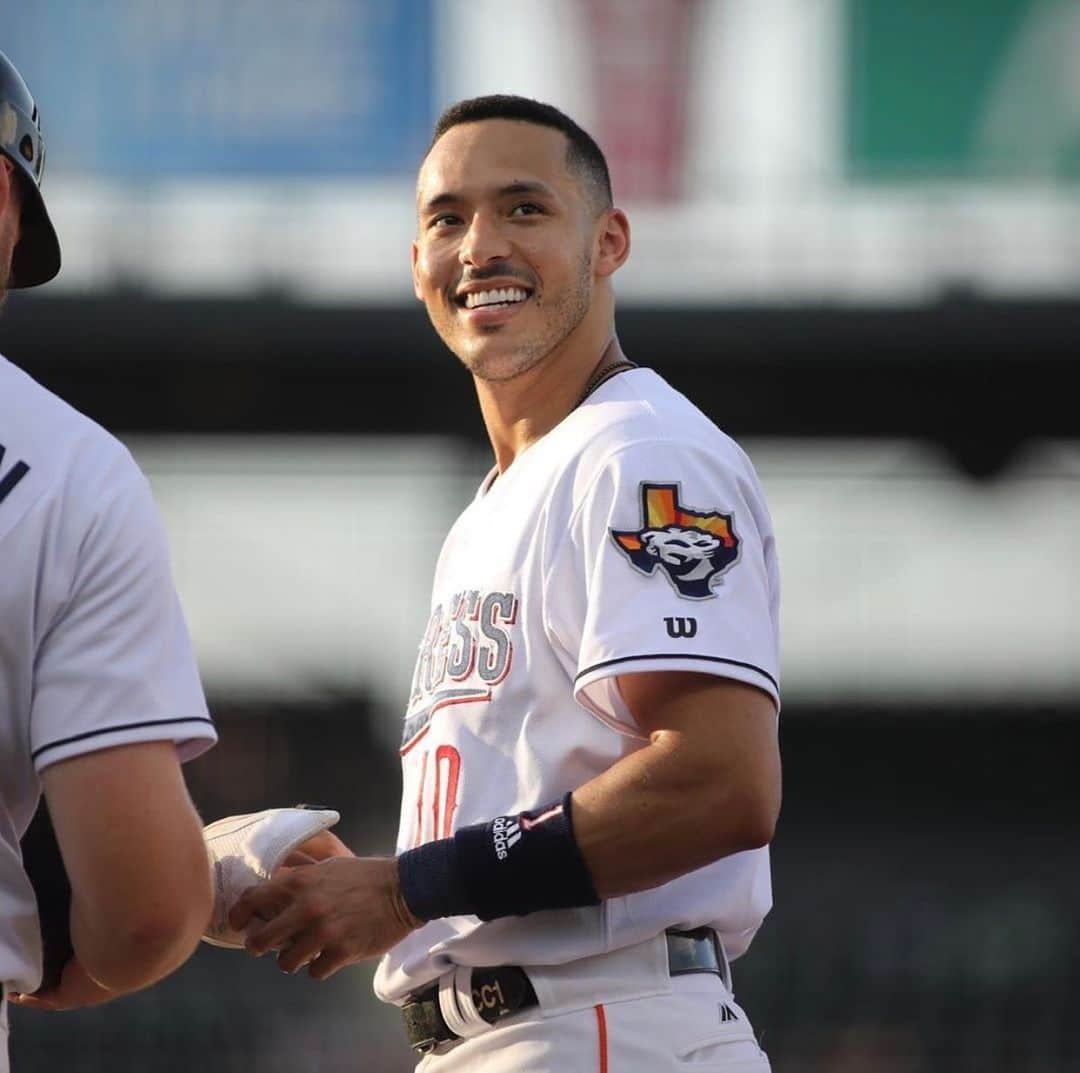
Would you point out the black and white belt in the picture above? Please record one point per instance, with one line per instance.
(503, 990)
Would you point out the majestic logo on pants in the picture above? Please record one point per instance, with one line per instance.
(693, 548)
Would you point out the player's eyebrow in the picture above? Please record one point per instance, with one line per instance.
(522, 186)
(439, 201)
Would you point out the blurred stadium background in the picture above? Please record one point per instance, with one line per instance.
(857, 246)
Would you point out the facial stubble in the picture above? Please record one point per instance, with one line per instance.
(561, 320)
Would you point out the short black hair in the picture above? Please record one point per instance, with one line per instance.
(583, 155)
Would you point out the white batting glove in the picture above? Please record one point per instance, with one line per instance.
(245, 850)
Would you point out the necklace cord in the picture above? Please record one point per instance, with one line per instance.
(602, 374)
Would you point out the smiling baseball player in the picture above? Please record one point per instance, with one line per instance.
(100, 699)
(590, 765)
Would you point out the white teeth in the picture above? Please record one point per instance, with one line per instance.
(488, 298)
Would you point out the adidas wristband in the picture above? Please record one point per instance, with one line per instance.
(510, 866)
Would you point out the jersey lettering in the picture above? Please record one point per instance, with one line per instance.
(8, 480)
(466, 649)
(445, 777)
(463, 659)
(495, 661)
(422, 682)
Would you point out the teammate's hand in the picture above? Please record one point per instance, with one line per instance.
(320, 847)
(75, 990)
(326, 915)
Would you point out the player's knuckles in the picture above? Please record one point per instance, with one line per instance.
(262, 900)
(328, 933)
(316, 905)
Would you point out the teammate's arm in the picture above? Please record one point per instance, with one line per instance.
(707, 785)
(140, 879)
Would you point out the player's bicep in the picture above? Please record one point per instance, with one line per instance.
(720, 732)
(701, 705)
(130, 836)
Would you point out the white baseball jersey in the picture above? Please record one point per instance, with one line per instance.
(94, 651)
(632, 537)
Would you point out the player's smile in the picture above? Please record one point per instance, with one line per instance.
(493, 302)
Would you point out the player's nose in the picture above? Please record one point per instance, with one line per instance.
(483, 242)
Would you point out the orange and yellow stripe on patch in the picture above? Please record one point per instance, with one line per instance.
(662, 509)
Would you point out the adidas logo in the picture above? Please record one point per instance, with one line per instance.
(505, 834)
(727, 1014)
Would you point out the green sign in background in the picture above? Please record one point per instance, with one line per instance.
(926, 81)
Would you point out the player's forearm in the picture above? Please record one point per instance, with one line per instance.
(130, 935)
(133, 848)
(706, 786)
(139, 953)
(666, 810)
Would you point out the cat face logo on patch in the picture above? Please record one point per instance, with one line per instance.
(692, 547)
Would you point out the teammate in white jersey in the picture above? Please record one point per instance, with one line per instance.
(100, 699)
(590, 764)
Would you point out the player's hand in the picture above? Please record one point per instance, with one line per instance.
(326, 915)
(75, 990)
(320, 847)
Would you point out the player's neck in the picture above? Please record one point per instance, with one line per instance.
(519, 412)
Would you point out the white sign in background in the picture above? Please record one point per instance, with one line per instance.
(304, 566)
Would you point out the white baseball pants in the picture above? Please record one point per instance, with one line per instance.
(696, 1027)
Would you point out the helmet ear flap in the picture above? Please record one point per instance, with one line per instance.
(37, 255)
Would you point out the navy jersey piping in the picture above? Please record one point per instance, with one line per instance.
(115, 729)
(678, 655)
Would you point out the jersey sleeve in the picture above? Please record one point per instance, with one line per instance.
(669, 561)
(115, 666)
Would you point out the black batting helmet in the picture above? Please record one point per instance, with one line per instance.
(37, 255)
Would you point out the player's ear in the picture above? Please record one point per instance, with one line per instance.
(415, 273)
(612, 242)
(7, 183)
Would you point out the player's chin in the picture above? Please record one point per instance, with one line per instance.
(497, 366)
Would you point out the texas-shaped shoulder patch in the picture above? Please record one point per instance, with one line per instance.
(693, 548)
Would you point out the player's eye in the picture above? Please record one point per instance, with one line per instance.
(444, 219)
(526, 208)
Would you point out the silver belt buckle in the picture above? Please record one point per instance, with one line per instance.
(721, 957)
(697, 950)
